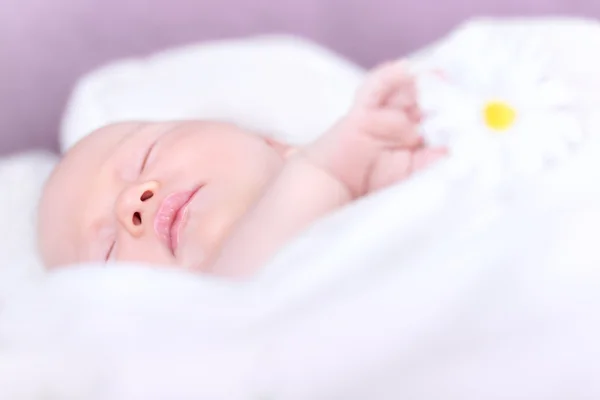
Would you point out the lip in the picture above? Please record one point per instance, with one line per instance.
(170, 218)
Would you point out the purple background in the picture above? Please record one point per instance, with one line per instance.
(45, 45)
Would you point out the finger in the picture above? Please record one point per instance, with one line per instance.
(382, 83)
(415, 115)
(404, 97)
(392, 167)
(394, 128)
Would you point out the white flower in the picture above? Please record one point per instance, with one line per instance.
(499, 117)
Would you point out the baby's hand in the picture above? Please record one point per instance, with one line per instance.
(377, 142)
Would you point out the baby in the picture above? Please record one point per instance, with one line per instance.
(214, 198)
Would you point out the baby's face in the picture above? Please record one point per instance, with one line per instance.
(161, 193)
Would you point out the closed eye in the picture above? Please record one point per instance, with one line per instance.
(147, 156)
(110, 252)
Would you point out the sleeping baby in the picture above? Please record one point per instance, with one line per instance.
(214, 198)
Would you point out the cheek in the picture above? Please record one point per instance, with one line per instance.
(205, 236)
(215, 229)
(255, 167)
(216, 211)
(217, 156)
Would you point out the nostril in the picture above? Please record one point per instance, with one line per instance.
(146, 195)
(137, 218)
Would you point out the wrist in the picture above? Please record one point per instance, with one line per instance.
(347, 156)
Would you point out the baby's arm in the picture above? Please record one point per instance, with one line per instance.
(300, 194)
(347, 162)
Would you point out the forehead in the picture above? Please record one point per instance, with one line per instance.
(64, 196)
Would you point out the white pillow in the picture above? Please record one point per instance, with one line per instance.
(21, 179)
(282, 85)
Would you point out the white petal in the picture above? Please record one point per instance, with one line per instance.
(569, 127)
(553, 94)
(436, 131)
(524, 160)
(435, 94)
(535, 126)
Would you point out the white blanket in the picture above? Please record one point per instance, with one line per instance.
(438, 288)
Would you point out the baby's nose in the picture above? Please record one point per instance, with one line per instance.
(135, 205)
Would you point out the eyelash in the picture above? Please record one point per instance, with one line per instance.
(147, 156)
(109, 252)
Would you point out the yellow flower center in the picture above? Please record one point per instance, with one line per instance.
(499, 116)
